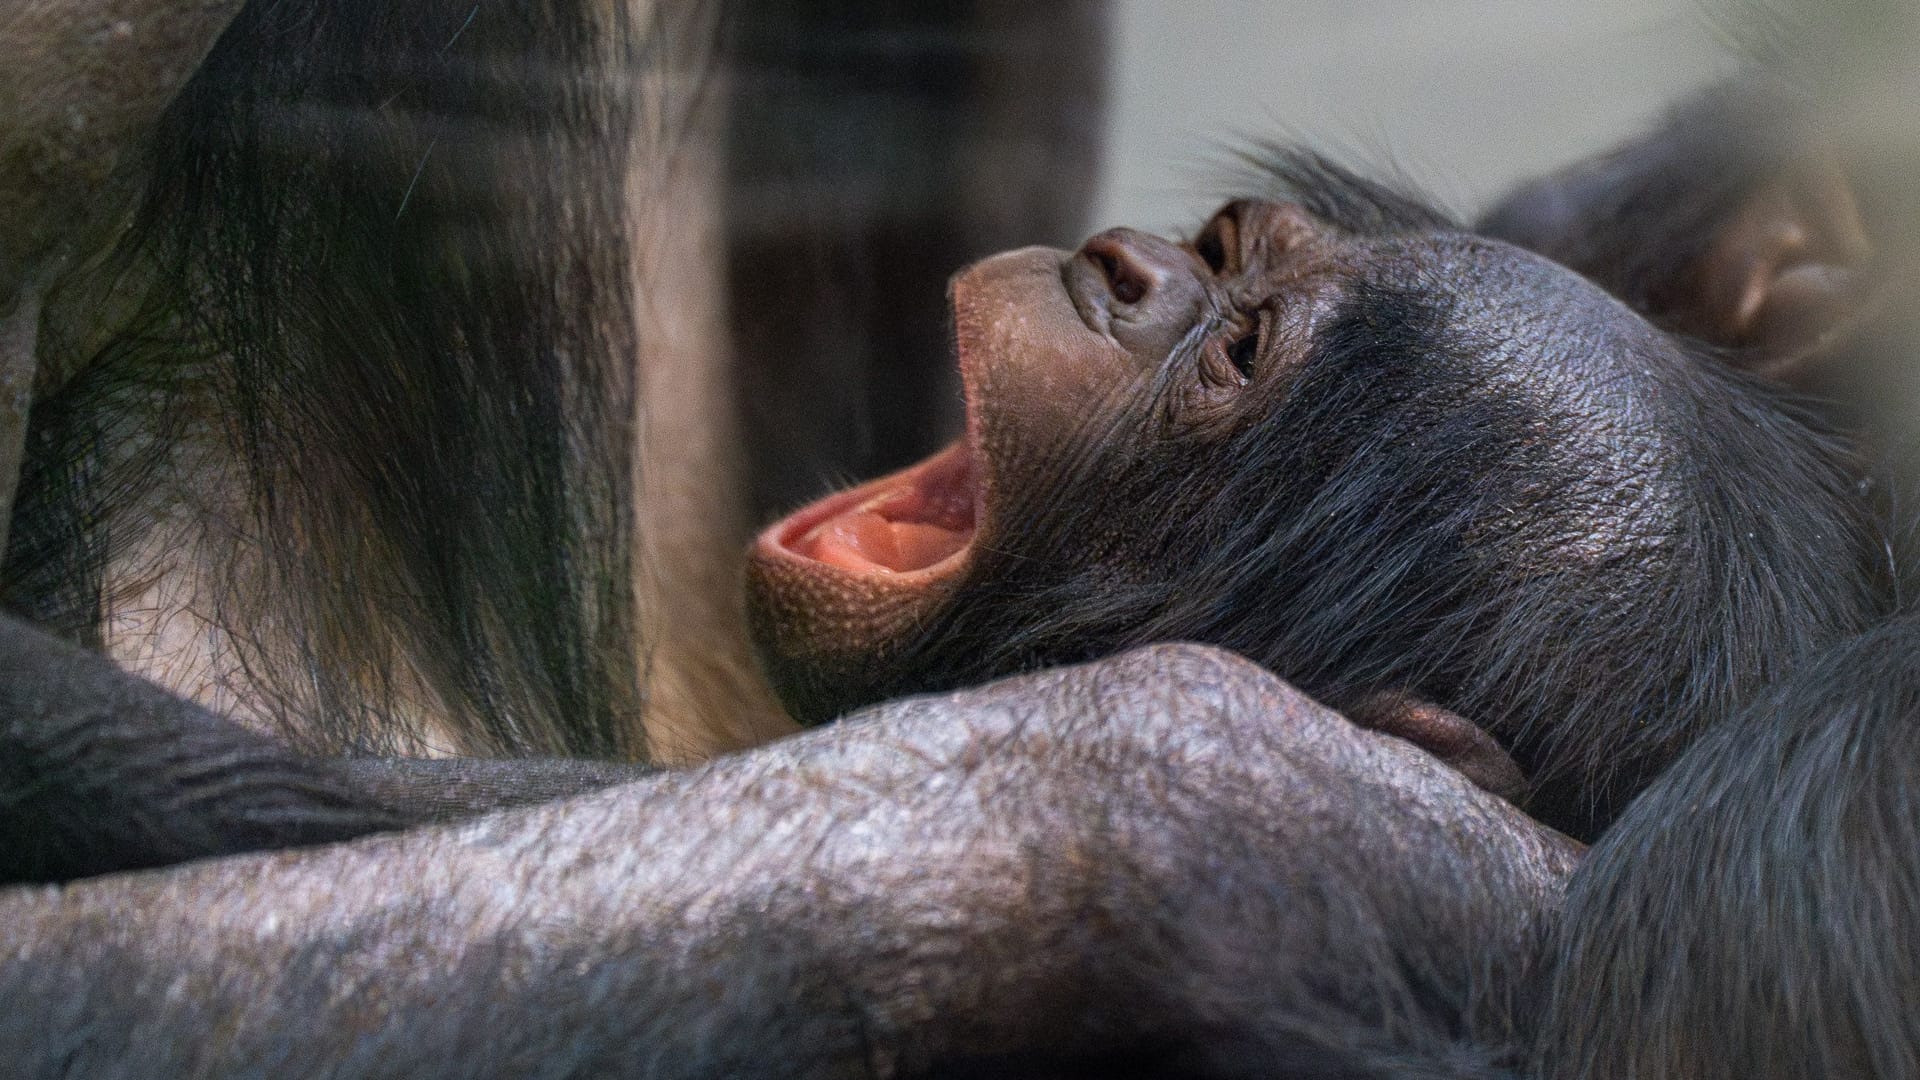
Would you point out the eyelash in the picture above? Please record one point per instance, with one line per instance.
(1242, 351)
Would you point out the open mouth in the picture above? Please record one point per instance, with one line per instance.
(902, 533)
(912, 521)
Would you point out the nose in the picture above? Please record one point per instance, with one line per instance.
(1144, 291)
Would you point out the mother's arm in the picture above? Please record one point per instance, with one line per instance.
(1169, 853)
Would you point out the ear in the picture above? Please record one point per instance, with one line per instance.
(1732, 221)
(1784, 279)
(1447, 736)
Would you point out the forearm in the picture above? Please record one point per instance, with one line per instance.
(103, 771)
(1170, 851)
(439, 790)
(781, 899)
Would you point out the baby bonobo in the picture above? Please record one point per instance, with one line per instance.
(1444, 485)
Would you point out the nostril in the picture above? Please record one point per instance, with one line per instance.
(1143, 292)
(1126, 279)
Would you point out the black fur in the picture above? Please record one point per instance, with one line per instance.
(1752, 914)
(1336, 194)
(387, 313)
(1596, 543)
(1487, 486)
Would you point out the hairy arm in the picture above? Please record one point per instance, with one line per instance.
(1754, 914)
(101, 771)
(1167, 853)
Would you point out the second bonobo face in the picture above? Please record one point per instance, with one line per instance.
(1334, 433)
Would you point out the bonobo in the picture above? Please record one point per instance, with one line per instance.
(1440, 483)
(1437, 480)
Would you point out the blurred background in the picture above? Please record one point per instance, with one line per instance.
(1462, 96)
(877, 146)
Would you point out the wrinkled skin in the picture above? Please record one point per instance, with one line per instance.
(73, 111)
(1101, 843)
(102, 772)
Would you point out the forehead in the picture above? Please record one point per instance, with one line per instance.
(1369, 236)
(1507, 304)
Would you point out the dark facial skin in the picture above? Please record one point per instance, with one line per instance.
(1375, 453)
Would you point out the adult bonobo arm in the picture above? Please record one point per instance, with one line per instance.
(83, 83)
(102, 771)
(79, 89)
(1168, 853)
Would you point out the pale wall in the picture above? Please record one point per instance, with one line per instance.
(1462, 95)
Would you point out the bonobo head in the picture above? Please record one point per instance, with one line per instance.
(1384, 457)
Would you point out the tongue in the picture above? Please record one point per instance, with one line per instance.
(911, 520)
(862, 540)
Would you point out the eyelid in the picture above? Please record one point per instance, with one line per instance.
(1244, 352)
(1218, 245)
(1215, 363)
(1259, 335)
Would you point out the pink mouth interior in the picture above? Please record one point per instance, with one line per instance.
(911, 520)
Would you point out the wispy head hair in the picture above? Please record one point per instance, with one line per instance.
(1333, 192)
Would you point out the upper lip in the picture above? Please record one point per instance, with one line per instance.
(783, 534)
